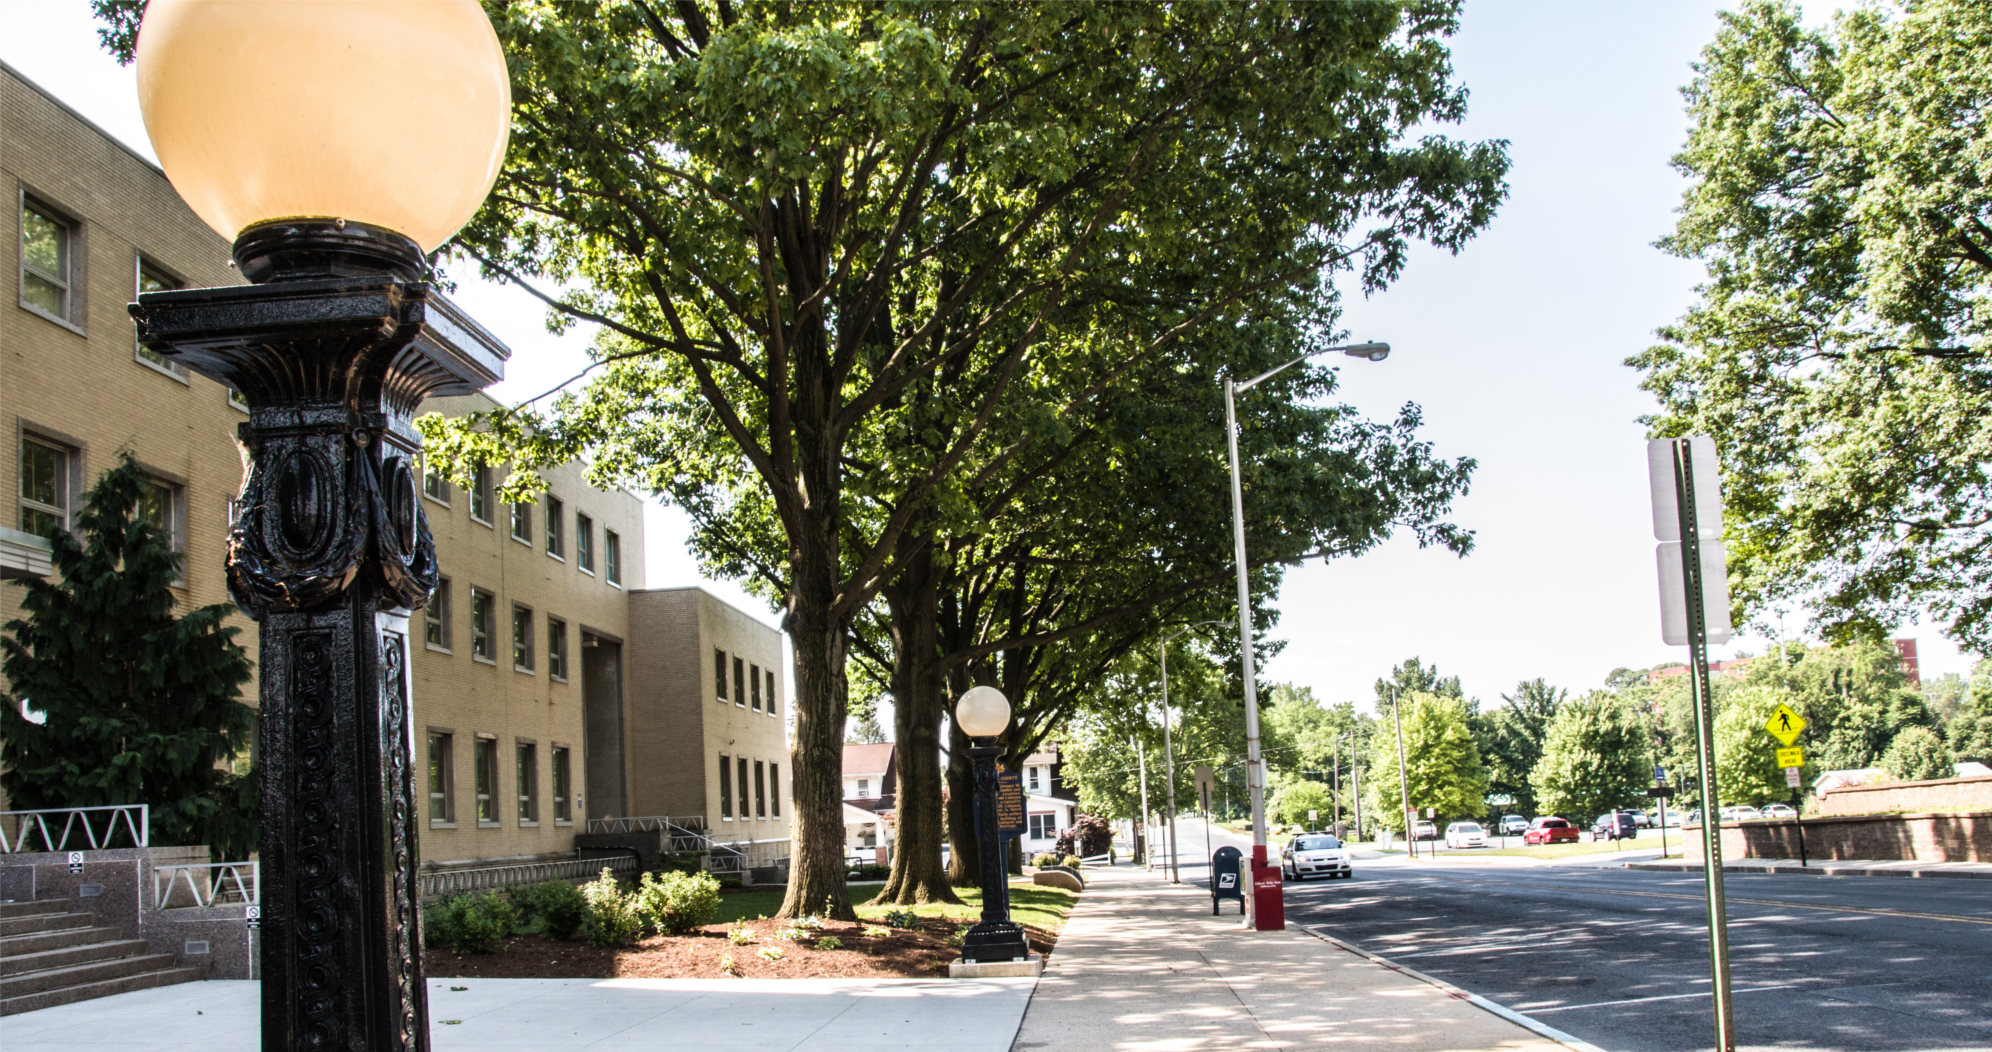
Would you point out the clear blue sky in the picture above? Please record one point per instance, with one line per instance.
(1513, 348)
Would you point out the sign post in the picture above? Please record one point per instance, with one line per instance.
(1786, 726)
(1694, 611)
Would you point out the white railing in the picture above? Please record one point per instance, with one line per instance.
(645, 824)
(739, 856)
(491, 878)
(207, 884)
(137, 819)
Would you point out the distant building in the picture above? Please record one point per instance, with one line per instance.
(871, 791)
(1905, 649)
(1717, 668)
(1050, 805)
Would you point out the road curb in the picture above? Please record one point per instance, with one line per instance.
(1814, 871)
(1536, 1026)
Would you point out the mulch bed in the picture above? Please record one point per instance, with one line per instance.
(918, 953)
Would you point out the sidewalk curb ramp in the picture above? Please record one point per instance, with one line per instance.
(1981, 871)
(1540, 1028)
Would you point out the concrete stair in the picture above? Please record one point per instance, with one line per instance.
(50, 956)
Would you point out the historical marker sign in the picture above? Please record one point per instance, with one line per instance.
(1010, 820)
(1785, 725)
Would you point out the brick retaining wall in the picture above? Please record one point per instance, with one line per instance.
(1943, 794)
(1941, 836)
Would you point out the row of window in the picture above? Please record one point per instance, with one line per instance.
(553, 516)
(439, 631)
(49, 475)
(747, 679)
(765, 800)
(484, 762)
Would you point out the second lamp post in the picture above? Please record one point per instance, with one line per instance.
(983, 714)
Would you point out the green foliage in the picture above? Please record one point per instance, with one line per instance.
(1918, 754)
(1855, 696)
(469, 923)
(1415, 677)
(677, 903)
(1746, 762)
(828, 942)
(1594, 759)
(1444, 764)
(1511, 741)
(555, 908)
(901, 918)
(613, 919)
(1839, 352)
(1970, 738)
(141, 707)
(1072, 862)
(119, 32)
(1087, 835)
(1043, 859)
(1295, 799)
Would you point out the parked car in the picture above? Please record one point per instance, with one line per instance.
(1314, 853)
(1514, 825)
(1780, 811)
(1550, 830)
(1615, 826)
(1641, 819)
(1425, 831)
(1740, 813)
(1466, 834)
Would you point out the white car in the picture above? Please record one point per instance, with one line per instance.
(1780, 811)
(1741, 813)
(1466, 834)
(1314, 853)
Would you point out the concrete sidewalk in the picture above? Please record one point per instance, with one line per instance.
(565, 1015)
(1142, 965)
(1820, 867)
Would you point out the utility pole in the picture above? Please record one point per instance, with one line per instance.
(1403, 775)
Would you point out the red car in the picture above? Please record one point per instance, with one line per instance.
(1550, 831)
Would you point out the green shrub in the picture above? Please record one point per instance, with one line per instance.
(1043, 859)
(468, 923)
(829, 942)
(555, 908)
(612, 916)
(678, 903)
(1072, 861)
(901, 918)
(867, 871)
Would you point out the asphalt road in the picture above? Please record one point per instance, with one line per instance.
(1620, 958)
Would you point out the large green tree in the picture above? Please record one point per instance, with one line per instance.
(1841, 349)
(1444, 764)
(1594, 758)
(132, 704)
(813, 231)
(1511, 740)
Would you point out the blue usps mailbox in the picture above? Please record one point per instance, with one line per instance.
(1227, 878)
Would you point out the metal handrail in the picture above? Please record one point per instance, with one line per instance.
(456, 881)
(26, 822)
(224, 882)
(646, 824)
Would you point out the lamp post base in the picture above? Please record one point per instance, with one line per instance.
(995, 941)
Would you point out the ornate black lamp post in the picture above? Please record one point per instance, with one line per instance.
(335, 143)
(983, 713)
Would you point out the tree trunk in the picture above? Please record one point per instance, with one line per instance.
(964, 865)
(918, 696)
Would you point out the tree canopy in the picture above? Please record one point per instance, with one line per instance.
(1594, 759)
(1841, 349)
(1443, 763)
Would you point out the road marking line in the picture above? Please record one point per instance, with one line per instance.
(1747, 902)
(1662, 997)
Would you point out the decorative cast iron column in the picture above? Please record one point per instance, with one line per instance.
(334, 347)
(995, 937)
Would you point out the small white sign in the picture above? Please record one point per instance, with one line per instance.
(1791, 776)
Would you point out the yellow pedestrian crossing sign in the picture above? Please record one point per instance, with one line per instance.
(1784, 724)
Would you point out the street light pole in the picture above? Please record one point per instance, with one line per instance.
(1403, 774)
(1255, 771)
(1141, 759)
(984, 713)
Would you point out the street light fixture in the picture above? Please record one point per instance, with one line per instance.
(334, 143)
(983, 713)
(1255, 768)
(1168, 752)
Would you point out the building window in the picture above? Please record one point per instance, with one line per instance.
(152, 279)
(868, 835)
(436, 617)
(771, 692)
(754, 682)
(719, 673)
(742, 761)
(1044, 827)
(483, 625)
(161, 504)
(584, 542)
(434, 485)
(864, 788)
(48, 253)
(760, 790)
(44, 487)
(522, 522)
(775, 789)
(740, 682)
(522, 639)
(238, 400)
(480, 494)
(612, 556)
(1034, 777)
(556, 648)
(487, 781)
(725, 788)
(563, 782)
(556, 543)
(527, 756)
(442, 778)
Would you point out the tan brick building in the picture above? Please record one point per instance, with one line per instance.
(551, 687)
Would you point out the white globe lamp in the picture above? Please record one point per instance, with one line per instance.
(983, 712)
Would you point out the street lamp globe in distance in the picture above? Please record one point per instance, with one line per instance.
(983, 712)
(326, 137)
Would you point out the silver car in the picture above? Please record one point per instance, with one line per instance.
(1314, 854)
